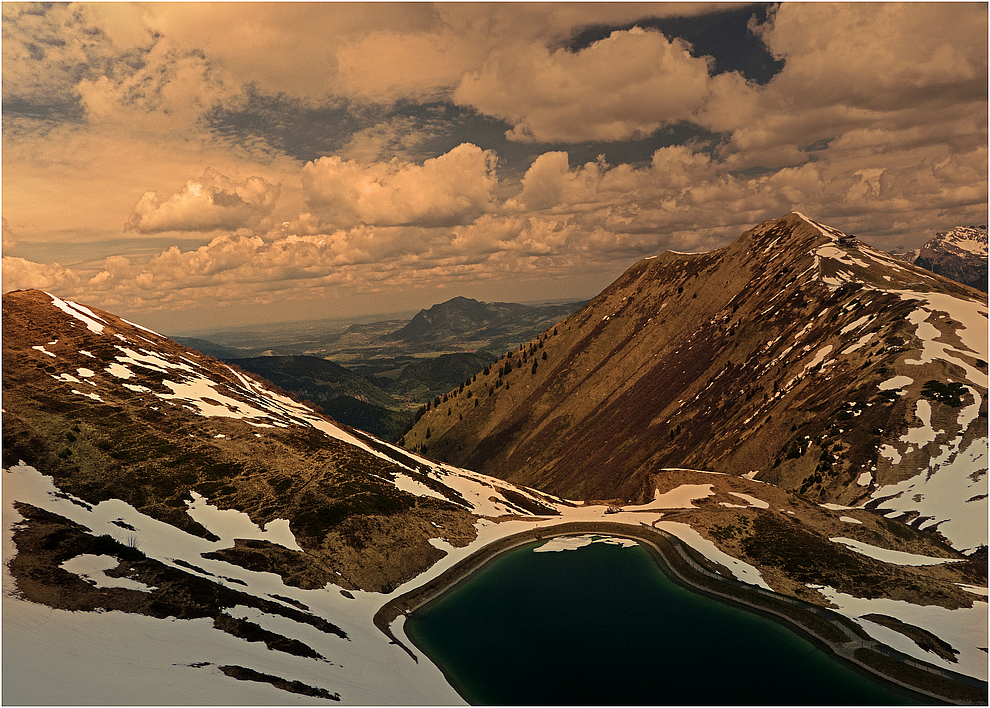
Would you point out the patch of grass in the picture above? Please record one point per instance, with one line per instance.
(948, 393)
(128, 549)
(244, 674)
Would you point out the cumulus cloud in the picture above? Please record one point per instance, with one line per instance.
(212, 202)
(453, 188)
(888, 76)
(21, 274)
(876, 124)
(370, 51)
(621, 87)
(160, 89)
(880, 55)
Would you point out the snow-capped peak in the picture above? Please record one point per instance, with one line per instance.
(962, 239)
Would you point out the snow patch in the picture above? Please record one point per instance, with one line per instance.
(93, 568)
(753, 501)
(80, 312)
(965, 629)
(896, 382)
(888, 556)
(229, 524)
(940, 493)
(677, 498)
(570, 543)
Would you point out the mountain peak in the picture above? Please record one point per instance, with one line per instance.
(959, 254)
(744, 360)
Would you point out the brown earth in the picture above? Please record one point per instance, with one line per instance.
(692, 360)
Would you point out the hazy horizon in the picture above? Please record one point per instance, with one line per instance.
(318, 160)
(347, 319)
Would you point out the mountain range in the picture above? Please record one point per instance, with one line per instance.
(796, 355)
(457, 325)
(959, 254)
(805, 414)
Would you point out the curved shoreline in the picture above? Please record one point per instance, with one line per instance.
(673, 557)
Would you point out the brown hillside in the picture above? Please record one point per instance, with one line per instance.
(765, 358)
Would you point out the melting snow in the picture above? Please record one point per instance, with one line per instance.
(896, 382)
(856, 325)
(924, 434)
(93, 568)
(80, 312)
(965, 629)
(888, 556)
(229, 524)
(677, 498)
(120, 371)
(570, 543)
(972, 318)
(753, 501)
(953, 475)
(743, 571)
(860, 343)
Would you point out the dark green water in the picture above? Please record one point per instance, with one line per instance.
(603, 625)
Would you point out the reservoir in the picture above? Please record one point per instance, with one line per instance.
(600, 623)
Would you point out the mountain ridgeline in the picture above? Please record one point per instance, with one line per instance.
(797, 355)
(959, 254)
(492, 325)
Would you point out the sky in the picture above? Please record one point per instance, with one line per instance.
(204, 165)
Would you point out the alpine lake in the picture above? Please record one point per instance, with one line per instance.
(600, 623)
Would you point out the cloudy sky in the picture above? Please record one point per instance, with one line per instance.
(193, 165)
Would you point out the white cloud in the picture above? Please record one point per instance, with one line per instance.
(21, 274)
(884, 77)
(212, 202)
(882, 56)
(877, 125)
(453, 188)
(621, 87)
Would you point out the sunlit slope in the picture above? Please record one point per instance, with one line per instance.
(797, 355)
(208, 497)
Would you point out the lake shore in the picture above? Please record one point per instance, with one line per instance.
(827, 630)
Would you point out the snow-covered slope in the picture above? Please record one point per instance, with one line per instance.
(959, 254)
(178, 532)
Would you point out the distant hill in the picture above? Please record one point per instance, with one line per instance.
(959, 254)
(466, 323)
(217, 351)
(428, 378)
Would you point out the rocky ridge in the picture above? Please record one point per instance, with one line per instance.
(797, 356)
